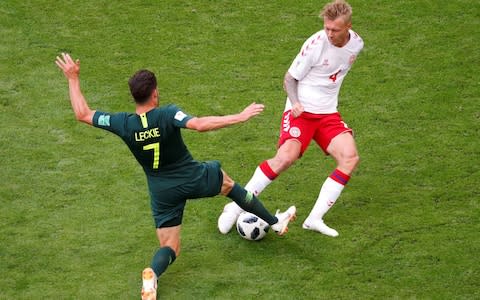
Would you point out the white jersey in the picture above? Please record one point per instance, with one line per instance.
(320, 68)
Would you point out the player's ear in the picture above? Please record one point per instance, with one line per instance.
(155, 95)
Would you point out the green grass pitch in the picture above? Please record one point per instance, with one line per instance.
(74, 211)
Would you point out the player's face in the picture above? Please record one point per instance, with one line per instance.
(337, 31)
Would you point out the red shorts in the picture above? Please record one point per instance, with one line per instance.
(322, 128)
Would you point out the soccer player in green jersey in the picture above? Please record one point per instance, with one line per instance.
(153, 136)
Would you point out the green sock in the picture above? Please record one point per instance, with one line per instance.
(164, 257)
(247, 201)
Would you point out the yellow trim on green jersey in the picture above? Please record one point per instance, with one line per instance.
(143, 117)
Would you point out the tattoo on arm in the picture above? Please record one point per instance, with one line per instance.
(290, 85)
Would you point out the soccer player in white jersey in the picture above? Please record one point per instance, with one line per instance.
(312, 84)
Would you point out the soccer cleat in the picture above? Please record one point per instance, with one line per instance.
(229, 217)
(319, 225)
(281, 227)
(149, 287)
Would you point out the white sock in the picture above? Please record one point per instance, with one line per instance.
(329, 193)
(258, 182)
(256, 185)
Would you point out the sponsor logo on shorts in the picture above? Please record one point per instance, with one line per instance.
(295, 132)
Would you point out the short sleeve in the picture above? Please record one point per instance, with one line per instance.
(307, 57)
(180, 118)
(110, 122)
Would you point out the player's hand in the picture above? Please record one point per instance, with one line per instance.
(251, 111)
(70, 68)
(297, 109)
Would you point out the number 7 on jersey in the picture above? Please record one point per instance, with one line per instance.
(156, 153)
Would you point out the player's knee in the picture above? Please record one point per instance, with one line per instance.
(286, 155)
(288, 161)
(350, 161)
(355, 160)
(283, 162)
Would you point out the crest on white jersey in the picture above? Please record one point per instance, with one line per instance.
(352, 59)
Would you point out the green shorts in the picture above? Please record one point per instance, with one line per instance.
(168, 205)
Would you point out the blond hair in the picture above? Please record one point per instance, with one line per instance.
(337, 9)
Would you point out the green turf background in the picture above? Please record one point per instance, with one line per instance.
(74, 210)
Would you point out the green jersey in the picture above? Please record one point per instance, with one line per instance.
(154, 138)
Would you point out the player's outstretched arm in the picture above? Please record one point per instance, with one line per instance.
(217, 122)
(71, 70)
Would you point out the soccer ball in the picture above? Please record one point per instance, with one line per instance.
(251, 227)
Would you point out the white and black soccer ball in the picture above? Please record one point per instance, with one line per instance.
(251, 227)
